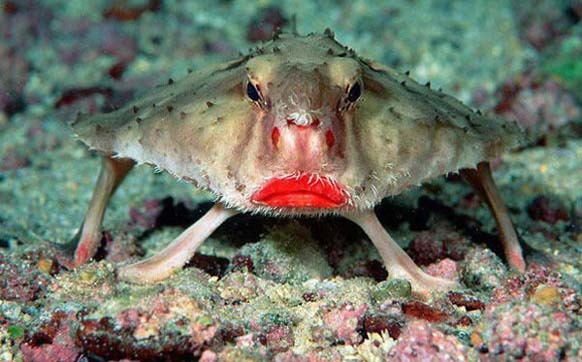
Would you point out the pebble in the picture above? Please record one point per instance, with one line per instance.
(546, 295)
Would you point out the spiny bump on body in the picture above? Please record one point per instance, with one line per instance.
(329, 33)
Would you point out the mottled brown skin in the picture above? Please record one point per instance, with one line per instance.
(302, 115)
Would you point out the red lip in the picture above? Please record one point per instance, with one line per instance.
(307, 190)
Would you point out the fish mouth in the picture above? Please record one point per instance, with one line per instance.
(304, 190)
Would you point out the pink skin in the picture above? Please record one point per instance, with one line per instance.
(87, 240)
(483, 184)
(307, 133)
(179, 251)
(397, 262)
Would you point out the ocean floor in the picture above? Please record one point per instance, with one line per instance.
(288, 289)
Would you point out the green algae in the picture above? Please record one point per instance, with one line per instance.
(393, 289)
(566, 63)
(483, 270)
(15, 331)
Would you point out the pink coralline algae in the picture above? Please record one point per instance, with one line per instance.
(446, 269)
(59, 347)
(522, 287)
(22, 279)
(277, 338)
(345, 322)
(529, 317)
(530, 332)
(168, 327)
(420, 341)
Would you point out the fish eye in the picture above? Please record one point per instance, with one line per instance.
(355, 92)
(253, 92)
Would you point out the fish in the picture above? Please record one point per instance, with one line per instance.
(300, 126)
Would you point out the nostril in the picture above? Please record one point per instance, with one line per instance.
(329, 138)
(275, 135)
